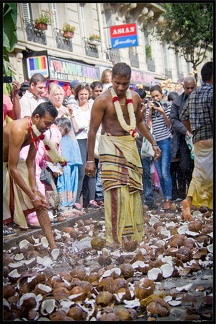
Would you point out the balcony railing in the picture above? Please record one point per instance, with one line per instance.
(91, 49)
(134, 59)
(63, 42)
(168, 73)
(33, 34)
(151, 65)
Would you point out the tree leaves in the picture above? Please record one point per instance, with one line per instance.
(188, 29)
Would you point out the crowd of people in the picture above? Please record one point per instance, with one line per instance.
(90, 143)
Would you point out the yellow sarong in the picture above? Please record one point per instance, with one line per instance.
(201, 185)
(121, 174)
(15, 199)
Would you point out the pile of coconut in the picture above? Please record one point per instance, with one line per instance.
(84, 280)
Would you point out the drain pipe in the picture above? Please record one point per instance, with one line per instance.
(103, 49)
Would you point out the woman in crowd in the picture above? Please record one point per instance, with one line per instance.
(56, 97)
(67, 183)
(81, 120)
(106, 79)
(159, 119)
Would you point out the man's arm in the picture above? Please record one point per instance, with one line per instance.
(184, 117)
(16, 140)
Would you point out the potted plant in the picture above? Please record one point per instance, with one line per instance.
(94, 39)
(68, 31)
(43, 20)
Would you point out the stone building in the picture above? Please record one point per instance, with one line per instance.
(64, 59)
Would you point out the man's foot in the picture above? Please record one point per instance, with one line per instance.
(77, 206)
(167, 204)
(8, 231)
(93, 204)
(186, 212)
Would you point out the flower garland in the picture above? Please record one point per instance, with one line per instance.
(129, 102)
(49, 146)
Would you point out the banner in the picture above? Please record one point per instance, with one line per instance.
(123, 35)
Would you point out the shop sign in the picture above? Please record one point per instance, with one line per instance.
(141, 77)
(64, 70)
(37, 64)
(123, 35)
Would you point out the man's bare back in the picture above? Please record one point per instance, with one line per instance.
(18, 130)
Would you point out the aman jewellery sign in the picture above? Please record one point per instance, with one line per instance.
(123, 35)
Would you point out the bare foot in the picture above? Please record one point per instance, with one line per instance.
(186, 212)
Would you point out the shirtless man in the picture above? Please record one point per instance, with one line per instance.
(27, 198)
(121, 168)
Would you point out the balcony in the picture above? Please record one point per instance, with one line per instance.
(33, 34)
(134, 60)
(63, 42)
(150, 65)
(91, 49)
(168, 73)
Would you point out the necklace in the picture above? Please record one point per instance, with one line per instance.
(49, 146)
(36, 140)
(129, 102)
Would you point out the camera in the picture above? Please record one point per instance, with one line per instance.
(7, 79)
(156, 103)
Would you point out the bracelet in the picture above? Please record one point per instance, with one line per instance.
(72, 116)
(90, 161)
(32, 200)
(154, 145)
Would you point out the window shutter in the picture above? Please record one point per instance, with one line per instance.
(26, 12)
(55, 17)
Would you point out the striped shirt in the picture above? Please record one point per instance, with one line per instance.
(199, 111)
(159, 127)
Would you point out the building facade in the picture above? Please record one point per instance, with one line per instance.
(64, 59)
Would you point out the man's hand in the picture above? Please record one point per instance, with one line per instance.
(90, 168)
(157, 153)
(39, 202)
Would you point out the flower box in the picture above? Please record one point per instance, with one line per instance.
(41, 26)
(68, 34)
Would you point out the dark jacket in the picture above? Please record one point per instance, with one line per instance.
(178, 128)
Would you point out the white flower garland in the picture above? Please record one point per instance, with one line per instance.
(131, 127)
(50, 147)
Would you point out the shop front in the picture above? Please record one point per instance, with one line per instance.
(60, 70)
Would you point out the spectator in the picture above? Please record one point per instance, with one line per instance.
(158, 118)
(81, 119)
(71, 100)
(97, 89)
(11, 106)
(106, 79)
(67, 183)
(32, 97)
(57, 97)
(183, 167)
(147, 195)
(197, 116)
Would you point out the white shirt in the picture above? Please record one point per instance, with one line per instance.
(83, 120)
(28, 103)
